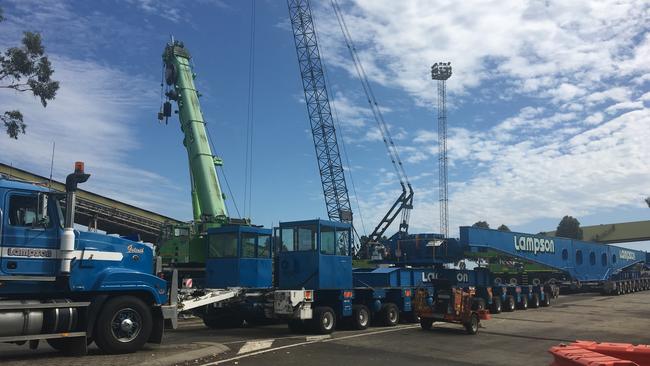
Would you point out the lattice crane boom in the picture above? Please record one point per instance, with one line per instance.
(330, 167)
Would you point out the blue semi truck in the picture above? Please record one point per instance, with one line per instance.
(70, 287)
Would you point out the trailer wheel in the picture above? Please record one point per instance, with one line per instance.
(360, 317)
(324, 320)
(496, 305)
(471, 327)
(389, 314)
(547, 300)
(618, 289)
(510, 304)
(426, 323)
(523, 304)
(534, 302)
(124, 325)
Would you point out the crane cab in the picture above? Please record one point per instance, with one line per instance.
(239, 256)
(315, 254)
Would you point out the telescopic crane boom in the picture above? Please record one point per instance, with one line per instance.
(208, 203)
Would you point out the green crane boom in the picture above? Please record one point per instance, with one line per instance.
(185, 245)
(207, 197)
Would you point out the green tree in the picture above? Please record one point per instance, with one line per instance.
(569, 227)
(481, 224)
(503, 227)
(26, 69)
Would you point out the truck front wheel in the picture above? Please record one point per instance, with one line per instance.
(123, 326)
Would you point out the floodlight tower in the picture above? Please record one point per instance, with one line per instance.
(441, 71)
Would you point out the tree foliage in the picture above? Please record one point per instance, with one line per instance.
(647, 200)
(569, 227)
(503, 227)
(481, 224)
(26, 69)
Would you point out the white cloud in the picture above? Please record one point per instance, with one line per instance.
(576, 146)
(90, 120)
(624, 105)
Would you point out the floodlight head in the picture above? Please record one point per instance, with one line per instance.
(441, 71)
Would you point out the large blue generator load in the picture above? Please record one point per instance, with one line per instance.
(314, 254)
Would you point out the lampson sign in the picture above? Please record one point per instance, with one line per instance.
(626, 254)
(533, 245)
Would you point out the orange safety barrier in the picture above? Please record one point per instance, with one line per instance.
(577, 356)
(639, 354)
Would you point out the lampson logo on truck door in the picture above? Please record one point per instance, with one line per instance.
(30, 252)
(534, 245)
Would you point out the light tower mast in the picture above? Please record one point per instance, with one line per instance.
(441, 71)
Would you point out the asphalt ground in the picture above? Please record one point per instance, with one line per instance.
(519, 338)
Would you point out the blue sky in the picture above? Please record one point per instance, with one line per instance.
(549, 105)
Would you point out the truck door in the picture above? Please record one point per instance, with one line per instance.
(30, 235)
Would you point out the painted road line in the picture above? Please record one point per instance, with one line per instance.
(318, 337)
(255, 346)
(393, 329)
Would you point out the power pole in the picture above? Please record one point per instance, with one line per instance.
(441, 71)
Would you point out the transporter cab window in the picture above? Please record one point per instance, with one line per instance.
(23, 210)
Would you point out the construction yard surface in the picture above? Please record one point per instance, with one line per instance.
(518, 338)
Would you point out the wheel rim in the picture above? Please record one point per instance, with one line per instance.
(363, 318)
(328, 320)
(474, 324)
(126, 325)
(392, 316)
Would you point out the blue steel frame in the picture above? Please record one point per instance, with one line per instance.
(582, 261)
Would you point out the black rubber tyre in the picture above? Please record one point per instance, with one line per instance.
(68, 346)
(324, 321)
(124, 325)
(534, 303)
(389, 314)
(495, 308)
(510, 304)
(523, 304)
(547, 300)
(360, 317)
(618, 289)
(471, 327)
(297, 326)
(426, 323)
(478, 304)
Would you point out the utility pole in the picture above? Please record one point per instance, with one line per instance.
(441, 71)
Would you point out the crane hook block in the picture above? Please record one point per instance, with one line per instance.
(167, 109)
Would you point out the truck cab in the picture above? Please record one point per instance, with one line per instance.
(69, 286)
